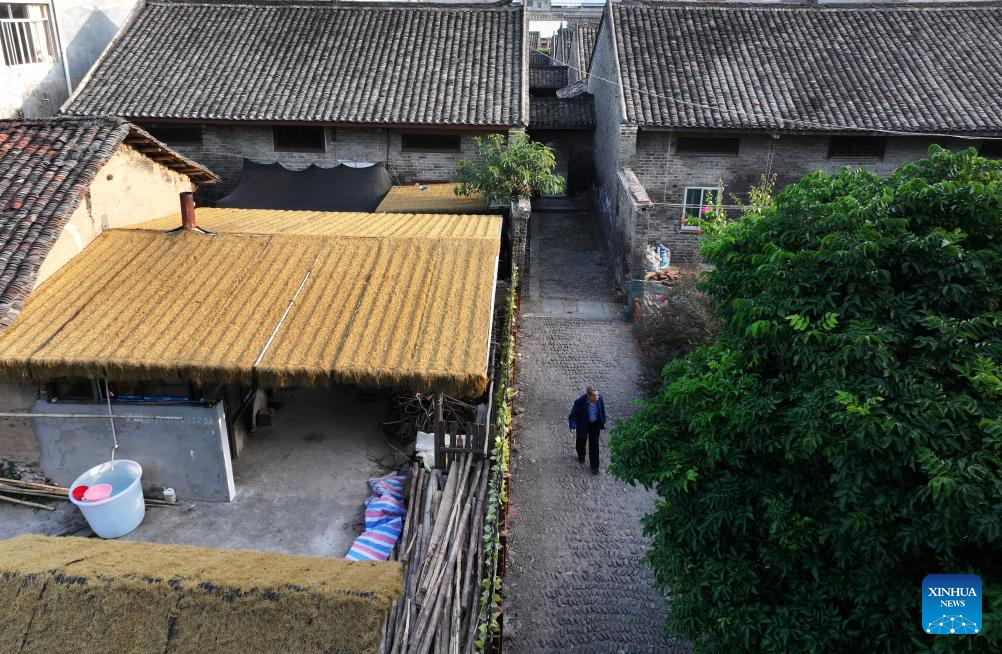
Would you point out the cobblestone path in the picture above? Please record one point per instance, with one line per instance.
(575, 579)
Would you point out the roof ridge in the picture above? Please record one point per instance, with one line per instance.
(110, 121)
(344, 4)
(888, 5)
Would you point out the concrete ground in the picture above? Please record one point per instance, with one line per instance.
(300, 485)
(576, 581)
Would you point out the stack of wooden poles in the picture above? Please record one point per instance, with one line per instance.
(10, 487)
(441, 549)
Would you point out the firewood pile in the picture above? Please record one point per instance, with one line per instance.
(441, 549)
(408, 413)
(665, 276)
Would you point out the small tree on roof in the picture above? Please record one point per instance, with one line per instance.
(512, 167)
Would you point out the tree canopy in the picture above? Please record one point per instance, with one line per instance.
(842, 437)
(509, 168)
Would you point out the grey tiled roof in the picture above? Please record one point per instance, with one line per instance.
(553, 77)
(569, 113)
(584, 41)
(540, 59)
(308, 60)
(916, 68)
(46, 167)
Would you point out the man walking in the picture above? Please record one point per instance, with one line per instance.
(587, 418)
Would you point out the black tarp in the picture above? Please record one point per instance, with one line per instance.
(342, 188)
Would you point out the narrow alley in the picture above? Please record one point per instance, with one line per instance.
(575, 577)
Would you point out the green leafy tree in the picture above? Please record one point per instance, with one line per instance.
(842, 437)
(511, 168)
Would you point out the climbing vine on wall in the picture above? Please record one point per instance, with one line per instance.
(497, 492)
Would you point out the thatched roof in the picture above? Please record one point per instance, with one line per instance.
(345, 223)
(434, 198)
(286, 302)
(77, 594)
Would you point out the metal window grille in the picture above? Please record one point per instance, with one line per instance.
(857, 147)
(991, 149)
(431, 142)
(707, 146)
(175, 134)
(299, 139)
(26, 34)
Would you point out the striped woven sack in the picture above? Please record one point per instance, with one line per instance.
(384, 520)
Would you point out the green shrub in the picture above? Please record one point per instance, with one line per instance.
(680, 322)
(842, 438)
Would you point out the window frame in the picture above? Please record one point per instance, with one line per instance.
(404, 147)
(17, 42)
(686, 205)
(735, 140)
(292, 148)
(832, 140)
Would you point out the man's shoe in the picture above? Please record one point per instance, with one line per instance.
(580, 459)
(594, 471)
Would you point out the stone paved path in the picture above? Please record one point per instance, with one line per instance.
(575, 578)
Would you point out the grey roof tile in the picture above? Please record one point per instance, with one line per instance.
(552, 77)
(313, 61)
(567, 113)
(46, 167)
(913, 68)
(585, 34)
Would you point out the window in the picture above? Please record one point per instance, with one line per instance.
(991, 149)
(419, 142)
(25, 34)
(856, 147)
(175, 134)
(707, 146)
(696, 199)
(299, 139)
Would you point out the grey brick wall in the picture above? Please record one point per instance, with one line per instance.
(521, 211)
(789, 157)
(224, 147)
(665, 177)
(614, 145)
(661, 224)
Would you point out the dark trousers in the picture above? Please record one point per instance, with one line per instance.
(589, 436)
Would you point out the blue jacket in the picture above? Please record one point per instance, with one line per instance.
(578, 419)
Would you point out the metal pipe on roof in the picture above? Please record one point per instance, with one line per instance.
(188, 219)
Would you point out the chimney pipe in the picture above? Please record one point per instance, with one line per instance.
(188, 220)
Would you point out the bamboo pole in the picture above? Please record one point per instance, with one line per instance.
(442, 518)
(430, 608)
(436, 558)
(457, 600)
(474, 563)
(33, 485)
(33, 505)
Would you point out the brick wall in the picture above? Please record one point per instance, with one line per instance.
(792, 157)
(665, 177)
(661, 224)
(521, 211)
(614, 145)
(224, 147)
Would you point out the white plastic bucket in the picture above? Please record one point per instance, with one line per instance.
(124, 509)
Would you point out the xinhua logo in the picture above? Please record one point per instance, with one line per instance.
(951, 604)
